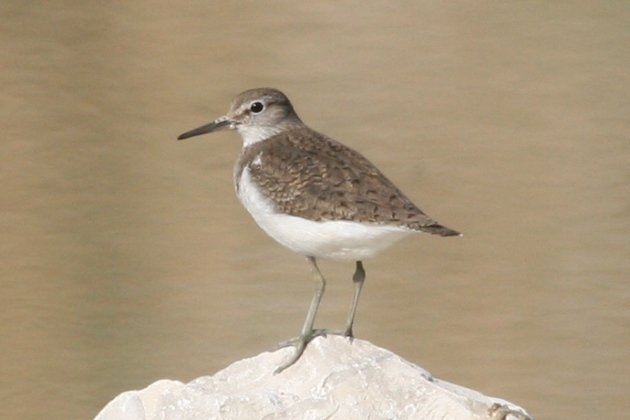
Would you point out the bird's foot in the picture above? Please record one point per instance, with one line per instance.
(503, 412)
(302, 341)
(323, 332)
(299, 343)
(346, 333)
(305, 338)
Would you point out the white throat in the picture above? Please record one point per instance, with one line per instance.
(253, 134)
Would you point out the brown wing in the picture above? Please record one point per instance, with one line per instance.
(312, 176)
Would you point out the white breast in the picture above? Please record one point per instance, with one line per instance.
(336, 240)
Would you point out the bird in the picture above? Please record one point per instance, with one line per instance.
(315, 196)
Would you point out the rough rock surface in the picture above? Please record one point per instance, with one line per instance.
(335, 378)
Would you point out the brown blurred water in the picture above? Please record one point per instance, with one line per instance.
(127, 258)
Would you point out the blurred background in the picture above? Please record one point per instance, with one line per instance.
(127, 258)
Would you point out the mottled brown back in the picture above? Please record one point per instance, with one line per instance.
(309, 175)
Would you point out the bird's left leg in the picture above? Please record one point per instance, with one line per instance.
(358, 278)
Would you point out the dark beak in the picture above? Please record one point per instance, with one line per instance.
(208, 128)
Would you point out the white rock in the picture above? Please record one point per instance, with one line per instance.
(334, 379)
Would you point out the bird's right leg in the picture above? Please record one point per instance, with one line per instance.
(307, 333)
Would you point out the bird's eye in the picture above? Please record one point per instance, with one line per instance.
(256, 107)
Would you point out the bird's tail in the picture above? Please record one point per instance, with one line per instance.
(438, 229)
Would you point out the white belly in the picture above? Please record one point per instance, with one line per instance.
(336, 240)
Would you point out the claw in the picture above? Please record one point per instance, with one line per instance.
(300, 344)
(295, 341)
(502, 411)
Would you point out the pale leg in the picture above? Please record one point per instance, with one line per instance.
(307, 333)
(358, 278)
